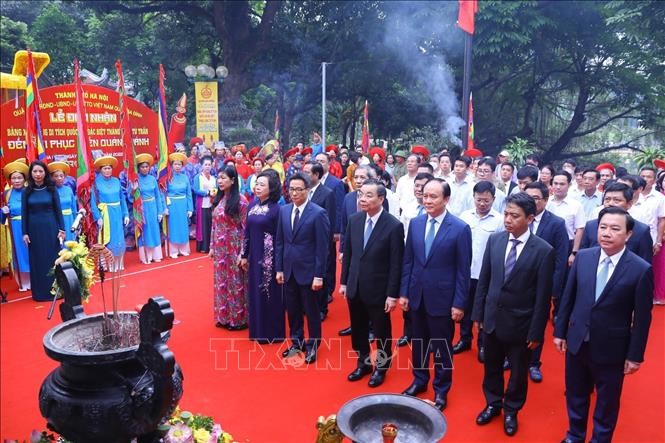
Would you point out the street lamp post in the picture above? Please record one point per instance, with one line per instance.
(206, 80)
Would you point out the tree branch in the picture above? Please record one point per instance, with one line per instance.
(188, 8)
(626, 145)
(597, 127)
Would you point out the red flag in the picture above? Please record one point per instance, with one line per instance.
(129, 154)
(163, 166)
(84, 178)
(365, 136)
(466, 16)
(470, 144)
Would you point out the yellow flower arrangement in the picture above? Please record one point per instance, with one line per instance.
(77, 253)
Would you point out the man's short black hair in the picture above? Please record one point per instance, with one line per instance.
(317, 169)
(484, 186)
(424, 176)
(444, 186)
(544, 191)
(380, 188)
(596, 173)
(489, 162)
(564, 173)
(429, 167)
(626, 190)
(465, 159)
(524, 201)
(300, 176)
(509, 164)
(528, 171)
(630, 221)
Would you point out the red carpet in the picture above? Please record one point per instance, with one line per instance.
(258, 398)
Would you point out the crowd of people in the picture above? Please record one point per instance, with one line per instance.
(497, 247)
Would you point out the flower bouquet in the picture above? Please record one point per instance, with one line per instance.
(185, 427)
(77, 253)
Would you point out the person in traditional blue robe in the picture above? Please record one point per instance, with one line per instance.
(16, 173)
(109, 208)
(59, 172)
(179, 207)
(150, 241)
(43, 229)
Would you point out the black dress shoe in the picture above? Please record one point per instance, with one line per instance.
(293, 349)
(440, 402)
(344, 332)
(487, 414)
(461, 346)
(535, 375)
(377, 378)
(359, 373)
(481, 354)
(414, 389)
(510, 423)
(310, 357)
(221, 325)
(403, 341)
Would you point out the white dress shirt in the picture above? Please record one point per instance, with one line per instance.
(520, 246)
(649, 209)
(481, 229)
(300, 208)
(437, 225)
(571, 211)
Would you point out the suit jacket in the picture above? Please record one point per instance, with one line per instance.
(302, 253)
(373, 273)
(440, 280)
(640, 242)
(618, 322)
(336, 185)
(324, 197)
(517, 308)
(552, 229)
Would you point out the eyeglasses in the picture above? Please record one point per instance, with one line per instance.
(297, 189)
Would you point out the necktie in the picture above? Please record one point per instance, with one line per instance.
(420, 210)
(601, 278)
(368, 232)
(296, 219)
(511, 259)
(429, 238)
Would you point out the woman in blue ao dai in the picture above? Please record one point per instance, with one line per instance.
(150, 241)
(68, 204)
(109, 208)
(179, 207)
(16, 173)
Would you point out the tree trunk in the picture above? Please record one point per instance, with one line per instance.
(555, 150)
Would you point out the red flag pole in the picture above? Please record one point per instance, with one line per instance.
(466, 21)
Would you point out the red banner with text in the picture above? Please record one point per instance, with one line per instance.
(57, 114)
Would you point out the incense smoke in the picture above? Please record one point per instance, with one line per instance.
(420, 34)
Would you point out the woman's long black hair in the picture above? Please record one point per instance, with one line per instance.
(232, 206)
(48, 181)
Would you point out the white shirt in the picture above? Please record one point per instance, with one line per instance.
(571, 211)
(520, 246)
(614, 260)
(461, 196)
(393, 203)
(499, 204)
(374, 218)
(481, 229)
(300, 208)
(589, 203)
(437, 225)
(404, 191)
(206, 185)
(411, 211)
(536, 223)
(649, 209)
(311, 191)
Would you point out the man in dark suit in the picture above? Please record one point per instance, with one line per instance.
(512, 306)
(435, 285)
(323, 197)
(603, 325)
(301, 249)
(337, 187)
(373, 248)
(350, 207)
(552, 229)
(640, 241)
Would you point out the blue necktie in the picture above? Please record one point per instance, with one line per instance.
(601, 278)
(420, 210)
(511, 259)
(429, 238)
(296, 219)
(368, 232)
